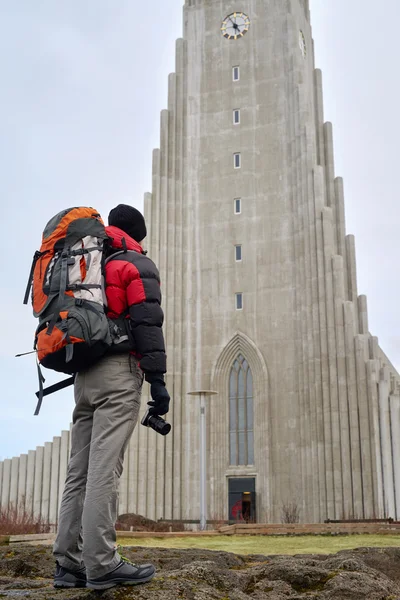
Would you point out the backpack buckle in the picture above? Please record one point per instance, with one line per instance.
(79, 302)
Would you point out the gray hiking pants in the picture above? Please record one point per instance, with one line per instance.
(107, 398)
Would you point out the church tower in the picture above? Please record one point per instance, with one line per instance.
(246, 223)
(258, 275)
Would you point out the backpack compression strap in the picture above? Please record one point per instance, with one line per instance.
(56, 387)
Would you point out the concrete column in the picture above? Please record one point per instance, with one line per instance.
(123, 488)
(147, 215)
(63, 466)
(339, 298)
(46, 482)
(330, 168)
(329, 247)
(319, 116)
(178, 275)
(376, 457)
(386, 442)
(131, 470)
(169, 284)
(14, 482)
(323, 416)
(54, 480)
(5, 487)
(21, 497)
(351, 268)
(37, 491)
(363, 314)
(341, 228)
(361, 352)
(30, 482)
(351, 376)
(395, 434)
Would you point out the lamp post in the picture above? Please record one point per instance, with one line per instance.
(202, 394)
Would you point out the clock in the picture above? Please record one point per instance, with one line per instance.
(235, 26)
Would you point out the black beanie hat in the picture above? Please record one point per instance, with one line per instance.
(130, 220)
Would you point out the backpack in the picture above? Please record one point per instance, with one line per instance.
(67, 294)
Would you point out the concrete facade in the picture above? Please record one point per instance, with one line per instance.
(325, 400)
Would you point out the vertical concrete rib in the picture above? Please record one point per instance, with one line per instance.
(37, 491)
(131, 470)
(341, 227)
(386, 442)
(177, 275)
(30, 482)
(361, 355)
(395, 436)
(14, 482)
(376, 454)
(148, 218)
(298, 272)
(362, 314)
(5, 488)
(319, 116)
(324, 405)
(339, 299)
(123, 489)
(54, 480)
(169, 284)
(351, 268)
(63, 466)
(351, 376)
(329, 251)
(46, 482)
(22, 472)
(163, 261)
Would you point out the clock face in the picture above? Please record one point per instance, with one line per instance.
(235, 26)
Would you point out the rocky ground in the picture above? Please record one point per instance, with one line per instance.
(362, 574)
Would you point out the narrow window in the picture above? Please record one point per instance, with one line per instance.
(236, 116)
(241, 421)
(238, 206)
(238, 253)
(236, 73)
(239, 301)
(236, 160)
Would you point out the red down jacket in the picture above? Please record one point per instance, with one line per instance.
(133, 291)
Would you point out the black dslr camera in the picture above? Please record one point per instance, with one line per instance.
(156, 423)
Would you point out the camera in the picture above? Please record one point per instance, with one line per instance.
(157, 423)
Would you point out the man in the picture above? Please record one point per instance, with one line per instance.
(107, 398)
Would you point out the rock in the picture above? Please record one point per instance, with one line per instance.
(362, 574)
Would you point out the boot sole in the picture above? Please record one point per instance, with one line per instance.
(114, 582)
(64, 584)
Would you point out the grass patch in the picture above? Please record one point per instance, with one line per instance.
(259, 544)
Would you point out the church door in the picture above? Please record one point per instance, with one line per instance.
(242, 500)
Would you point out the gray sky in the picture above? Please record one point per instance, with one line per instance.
(82, 85)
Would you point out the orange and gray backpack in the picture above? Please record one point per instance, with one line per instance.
(68, 296)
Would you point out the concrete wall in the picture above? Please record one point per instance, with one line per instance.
(34, 482)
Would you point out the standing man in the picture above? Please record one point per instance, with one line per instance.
(107, 398)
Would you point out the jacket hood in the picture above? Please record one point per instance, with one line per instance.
(116, 235)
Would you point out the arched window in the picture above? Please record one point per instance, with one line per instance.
(241, 433)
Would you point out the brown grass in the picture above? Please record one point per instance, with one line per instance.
(18, 521)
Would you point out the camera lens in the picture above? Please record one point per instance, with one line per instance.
(159, 425)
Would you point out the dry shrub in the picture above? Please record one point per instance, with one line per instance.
(16, 520)
(290, 513)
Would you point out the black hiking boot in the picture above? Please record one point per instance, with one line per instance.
(64, 578)
(126, 573)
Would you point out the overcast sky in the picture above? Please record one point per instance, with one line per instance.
(82, 86)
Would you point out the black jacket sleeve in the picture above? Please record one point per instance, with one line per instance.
(144, 301)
